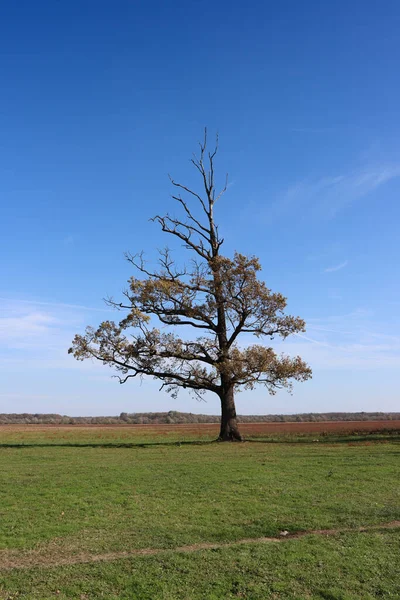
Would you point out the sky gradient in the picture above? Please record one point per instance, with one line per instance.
(100, 101)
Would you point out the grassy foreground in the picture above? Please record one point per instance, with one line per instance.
(345, 567)
(63, 504)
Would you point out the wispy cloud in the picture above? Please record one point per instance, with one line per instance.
(14, 328)
(40, 333)
(350, 341)
(338, 267)
(329, 194)
(58, 305)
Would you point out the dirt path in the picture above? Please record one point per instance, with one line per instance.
(12, 559)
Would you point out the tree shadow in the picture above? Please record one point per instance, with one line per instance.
(314, 441)
(107, 444)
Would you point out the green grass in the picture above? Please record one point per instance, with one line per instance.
(65, 500)
(346, 567)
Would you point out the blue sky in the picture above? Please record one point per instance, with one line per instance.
(100, 101)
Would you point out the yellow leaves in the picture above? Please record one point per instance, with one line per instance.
(221, 296)
(135, 318)
(261, 365)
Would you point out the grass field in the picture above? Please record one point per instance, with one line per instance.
(129, 512)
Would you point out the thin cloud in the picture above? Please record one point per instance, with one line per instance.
(26, 326)
(15, 302)
(37, 335)
(338, 267)
(328, 195)
(354, 340)
(38, 325)
(312, 340)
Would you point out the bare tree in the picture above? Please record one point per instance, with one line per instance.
(216, 296)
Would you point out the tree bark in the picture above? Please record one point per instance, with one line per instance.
(229, 431)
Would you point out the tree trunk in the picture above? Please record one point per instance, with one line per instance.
(229, 428)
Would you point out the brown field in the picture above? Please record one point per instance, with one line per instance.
(191, 430)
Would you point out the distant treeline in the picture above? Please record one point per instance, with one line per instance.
(173, 416)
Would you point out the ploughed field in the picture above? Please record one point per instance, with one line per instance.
(300, 510)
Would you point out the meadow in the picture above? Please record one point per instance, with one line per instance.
(165, 513)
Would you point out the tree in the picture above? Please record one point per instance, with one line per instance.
(217, 297)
